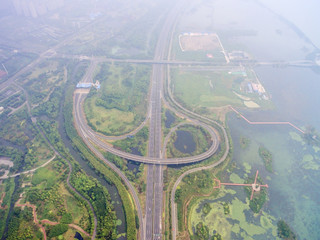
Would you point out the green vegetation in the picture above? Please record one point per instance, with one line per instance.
(206, 208)
(119, 106)
(216, 236)
(194, 183)
(99, 197)
(18, 61)
(311, 136)
(14, 101)
(7, 187)
(226, 208)
(204, 89)
(15, 155)
(244, 142)
(134, 36)
(21, 225)
(266, 156)
(259, 198)
(57, 230)
(284, 231)
(137, 142)
(133, 175)
(202, 231)
(99, 167)
(50, 108)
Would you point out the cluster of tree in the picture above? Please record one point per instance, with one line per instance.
(244, 142)
(226, 208)
(21, 225)
(284, 231)
(130, 94)
(103, 74)
(194, 183)
(136, 143)
(122, 164)
(17, 129)
(37, 150)
(266, 156)
(51, 130)
(259, 198)
(41, 197)
(7, 186)
(17, 61)
(15, 155)
(216, 236)
(98, 166)
(206, 208)
(57, 230)
(50, 108)
(311, 136)
(202, 231)
(14, 101)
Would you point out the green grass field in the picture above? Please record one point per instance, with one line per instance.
(121, 103)
(110, 121)
(204, 89)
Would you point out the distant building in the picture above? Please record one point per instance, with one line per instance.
(84, 85)
(2, 73)
(96, 85)
(35, 8)
(238, 55)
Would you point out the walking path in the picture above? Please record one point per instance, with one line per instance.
(29, 171)
(46, 221)
(1, 200)
(267, 123)
(35, 219)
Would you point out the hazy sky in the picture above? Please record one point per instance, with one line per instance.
(304, 14)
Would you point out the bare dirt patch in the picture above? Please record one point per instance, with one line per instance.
(198, 42)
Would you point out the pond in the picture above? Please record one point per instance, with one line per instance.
(170, 119)
(185, 142)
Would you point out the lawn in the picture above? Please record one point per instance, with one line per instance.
(110, 121)
(120, 105)
(204, 89)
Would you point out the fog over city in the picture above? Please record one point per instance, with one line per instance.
(149, 120)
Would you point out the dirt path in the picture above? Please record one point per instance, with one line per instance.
(35, 219)
(30, 171)
(46, 221)
(1, 200)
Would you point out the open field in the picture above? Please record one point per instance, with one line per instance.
(207, 50)
(204, 89)
(196, 42)
(120, 105)
(206, 92)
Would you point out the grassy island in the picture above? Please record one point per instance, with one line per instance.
(311, 136)
(284, 231)
(226, 208)
(202, 231)
(244, 142)
(266, 156)
(259, 198)
(206, 208)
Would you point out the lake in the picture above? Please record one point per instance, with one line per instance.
(293, 192)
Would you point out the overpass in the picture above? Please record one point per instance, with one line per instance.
(86, 132)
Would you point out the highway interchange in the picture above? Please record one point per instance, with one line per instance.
(151, 227)
(155, 158)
